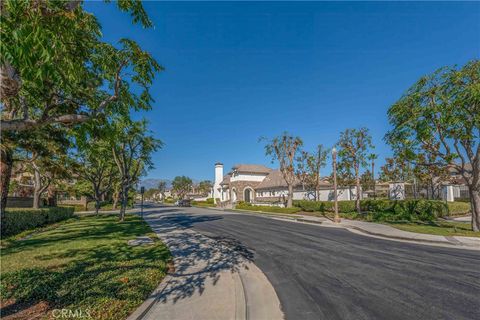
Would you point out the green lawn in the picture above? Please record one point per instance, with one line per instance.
(438, 228)
(84, 264)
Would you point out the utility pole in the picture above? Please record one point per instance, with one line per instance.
(334, 158)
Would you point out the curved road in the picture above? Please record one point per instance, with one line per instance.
(329, 273)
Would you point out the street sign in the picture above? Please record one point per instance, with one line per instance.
(142, 190)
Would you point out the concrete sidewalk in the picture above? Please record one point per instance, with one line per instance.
(214, 278)
(376, 230)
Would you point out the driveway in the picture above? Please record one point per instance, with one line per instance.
(327, 273)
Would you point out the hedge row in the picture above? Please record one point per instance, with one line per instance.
(381, 210)
(20, 220)
(275, 209)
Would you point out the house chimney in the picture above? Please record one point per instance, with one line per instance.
(218, 180)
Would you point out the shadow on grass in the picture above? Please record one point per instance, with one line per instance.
(90, 274)
(197, 258)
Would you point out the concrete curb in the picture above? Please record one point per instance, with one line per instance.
(451, 244)
(143, 309)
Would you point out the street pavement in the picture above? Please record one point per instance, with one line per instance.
(331, 273)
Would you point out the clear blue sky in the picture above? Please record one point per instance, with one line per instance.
(238, 71)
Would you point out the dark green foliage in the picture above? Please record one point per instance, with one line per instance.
(17, 221)
(246, 206)
(382, 210)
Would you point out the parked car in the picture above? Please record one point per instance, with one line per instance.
(184, 203)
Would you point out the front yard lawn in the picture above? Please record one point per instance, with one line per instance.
(438, 228)
(84, 264)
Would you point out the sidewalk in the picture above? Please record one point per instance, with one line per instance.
(375, 230)
(211, 280)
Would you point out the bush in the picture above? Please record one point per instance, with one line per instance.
(17, 221)
(209, 200)
(384, 210)
(275, 209)
(324, 206)
(458, 208)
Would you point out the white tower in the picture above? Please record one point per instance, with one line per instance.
(218, 180)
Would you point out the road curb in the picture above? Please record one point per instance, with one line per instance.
(145, 307)
(420, 241)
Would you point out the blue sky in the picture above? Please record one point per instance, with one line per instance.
(237, 71)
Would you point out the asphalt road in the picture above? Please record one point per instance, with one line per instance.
(327, 273)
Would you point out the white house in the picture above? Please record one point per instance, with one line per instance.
(261, 185)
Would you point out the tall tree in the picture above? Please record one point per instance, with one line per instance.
(439, 117)
(309, 166)
(354, 146)
(94, 161)
(132, 149)
(372, 157)
(162, 187)
(396, 169)
(56, 70)
(285, 149)
(181, 185)
(204, 187)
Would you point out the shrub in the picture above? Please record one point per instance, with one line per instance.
(275, 209)
(383, 209)
(209, 200)
(458, 208)
(17, 221)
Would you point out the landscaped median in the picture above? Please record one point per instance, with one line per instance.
(83, 265)
(420, 216)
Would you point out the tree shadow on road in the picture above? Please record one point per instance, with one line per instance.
(198, 259)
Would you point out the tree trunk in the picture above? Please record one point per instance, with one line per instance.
(475, 204)
(97, 206)
(115, 197)
(37, 189)
(357, 197)
(290, 196)
(124, 202)
(6, 165)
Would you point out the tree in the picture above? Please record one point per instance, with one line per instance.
(309, 166)
(439, 118)
(204, 187)
(372, 157)
(396, 169)
(132, 148)
(353, 150)
(181, 185)
(94, 162)
(285, 149)
(162, 187)
(55, 70)
(150, 193)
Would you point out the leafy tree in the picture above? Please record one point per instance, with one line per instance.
(396, 169)
(285, 149)
(204, 187)
(150, 193)
(438, 119)
(162, 187)
(182, 185)
(56, 70)
(309, 166)
(372, 157)
(354, 146)
(94, 162)
(132, 148)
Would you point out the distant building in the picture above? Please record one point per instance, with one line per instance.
(261, 185)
